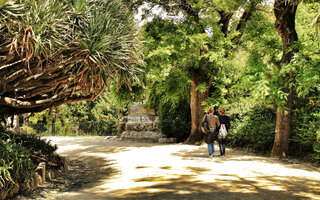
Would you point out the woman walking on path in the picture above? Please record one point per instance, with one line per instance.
(210, 135)
(224, 121)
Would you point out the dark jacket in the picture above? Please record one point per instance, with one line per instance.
(223, 119)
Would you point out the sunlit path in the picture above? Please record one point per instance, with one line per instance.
(130, 170)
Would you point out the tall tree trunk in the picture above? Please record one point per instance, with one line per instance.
(196, 99)
(197, 113)
(285, 12)
(283, 128)
(15, 123)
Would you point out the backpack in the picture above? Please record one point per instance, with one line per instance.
(223, 131)
(205, 125)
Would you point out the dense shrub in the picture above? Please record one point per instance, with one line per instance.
(171, 99)
(20, 154)
(175, 122)
(254, 130)
(304, 140)
(33, 143)
(316, 149)
(15, 164)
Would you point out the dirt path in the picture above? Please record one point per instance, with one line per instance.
(110, 169)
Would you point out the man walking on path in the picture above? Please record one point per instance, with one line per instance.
(211, 134)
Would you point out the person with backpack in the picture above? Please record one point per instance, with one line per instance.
(223, 130)
(210, 123)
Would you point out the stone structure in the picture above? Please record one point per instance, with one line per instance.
(140, 125)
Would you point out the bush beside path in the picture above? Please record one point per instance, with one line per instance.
(111, 169)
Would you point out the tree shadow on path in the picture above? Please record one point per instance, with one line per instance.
(130, 170)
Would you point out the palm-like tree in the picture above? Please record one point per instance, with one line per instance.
(59, 51)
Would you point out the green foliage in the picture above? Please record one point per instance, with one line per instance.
(244, 78)
(18, 153)
(169, 56)
(33, 143)
(316, 149)
(102, 116)
(259, 81)
(253, 130)
(178, 45)
(307, 17)
(307, 76)
(73, 50)
(99, 117)
(262, 83)
(15, 164)
(171, 100)
(175, 122)
(27, 129)
(109, 109)
(304, 139)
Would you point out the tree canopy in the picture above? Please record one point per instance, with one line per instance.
(237, 54)
(55, 52)
(196, 39)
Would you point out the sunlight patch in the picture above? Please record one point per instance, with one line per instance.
(71, 147)
(183, 192)
(305, 194)
(275, 187)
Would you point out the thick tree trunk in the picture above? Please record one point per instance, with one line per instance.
(283, 128)
(285, 25)
(197, 113)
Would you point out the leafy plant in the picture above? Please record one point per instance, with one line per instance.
(16, 165)
(73, 50)
(304, 140)
(171, 100)
(20, 154)
(253, 130)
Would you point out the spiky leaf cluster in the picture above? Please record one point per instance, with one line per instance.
(53, 52)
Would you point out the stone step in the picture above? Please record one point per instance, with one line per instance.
(134, 126)
(150, 136)
(141, 119)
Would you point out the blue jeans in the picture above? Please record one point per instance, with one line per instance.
(211, 148)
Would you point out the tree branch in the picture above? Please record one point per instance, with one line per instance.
(246, 16)
(14, 106)
(224, 21)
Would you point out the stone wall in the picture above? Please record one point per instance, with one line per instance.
(140, 125)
